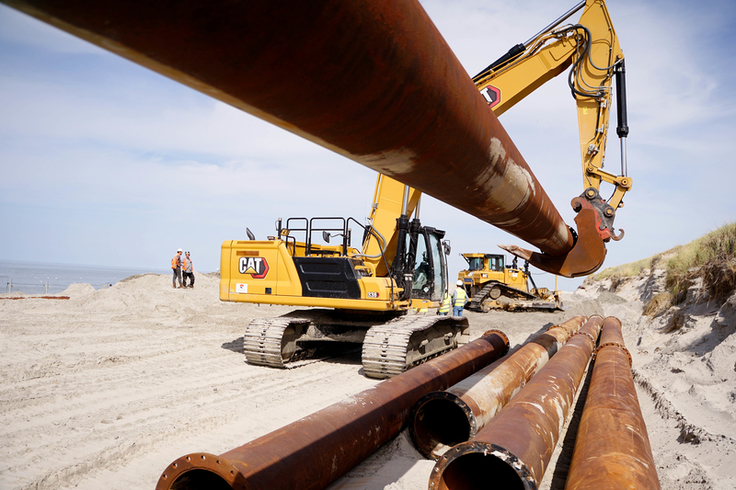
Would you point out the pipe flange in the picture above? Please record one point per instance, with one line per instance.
(592, 339)
(500, 334)
(202, 462)
(614, 344)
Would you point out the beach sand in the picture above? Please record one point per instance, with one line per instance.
(105, 389)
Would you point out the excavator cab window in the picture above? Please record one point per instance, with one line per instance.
(429, 278)
(422, 270)
(438, 260)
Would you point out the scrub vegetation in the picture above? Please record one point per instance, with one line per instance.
(711, 258)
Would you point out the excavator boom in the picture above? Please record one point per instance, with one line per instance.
(591, 50)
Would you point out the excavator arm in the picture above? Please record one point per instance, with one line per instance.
(591, 52)
(391, 200)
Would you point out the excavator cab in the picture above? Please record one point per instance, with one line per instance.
(430, 279)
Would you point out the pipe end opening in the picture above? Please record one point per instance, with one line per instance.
(473, 471)
(199, 479)
(441, 423)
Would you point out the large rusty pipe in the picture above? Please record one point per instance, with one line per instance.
(612, 448)
(443, 419)
(316, 450)
(372, 80)
(513, 450)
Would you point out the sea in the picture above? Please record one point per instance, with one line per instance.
(53, 278)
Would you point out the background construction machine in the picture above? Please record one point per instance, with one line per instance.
(493, 284)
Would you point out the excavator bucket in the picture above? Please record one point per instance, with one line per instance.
(595, 227)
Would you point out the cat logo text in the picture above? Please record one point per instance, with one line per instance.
(257, 267)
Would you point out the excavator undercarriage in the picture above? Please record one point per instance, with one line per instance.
(496, 295)
(392, 341)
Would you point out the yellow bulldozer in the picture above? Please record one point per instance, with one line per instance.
(493, 284)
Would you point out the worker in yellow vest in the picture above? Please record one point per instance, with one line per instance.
(459, 298)
(444, 308)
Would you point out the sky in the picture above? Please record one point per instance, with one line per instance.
(103, 162)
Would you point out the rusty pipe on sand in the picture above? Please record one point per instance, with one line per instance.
(513, 450)
(314, 451)
(443, 419)
(612, 448)
(371, 80)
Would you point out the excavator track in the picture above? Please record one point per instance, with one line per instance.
(389, 348)
(487, 291)
(393, 348)
(271, 341)
(475, 302)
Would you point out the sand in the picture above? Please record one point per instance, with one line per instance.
(105, 389)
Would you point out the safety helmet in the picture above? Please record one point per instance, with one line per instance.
(179, 250)
(459, 282)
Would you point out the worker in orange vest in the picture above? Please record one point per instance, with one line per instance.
(176, 268)
(188, 270)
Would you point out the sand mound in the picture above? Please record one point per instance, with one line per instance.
(77, 290)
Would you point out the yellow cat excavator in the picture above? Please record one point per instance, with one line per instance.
(400, 266)
(375, 82)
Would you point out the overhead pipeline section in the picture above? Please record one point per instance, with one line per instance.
(372, 80)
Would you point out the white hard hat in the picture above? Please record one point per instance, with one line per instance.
(459, 282)
(179, 250)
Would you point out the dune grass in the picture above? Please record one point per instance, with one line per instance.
(712, 257)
